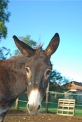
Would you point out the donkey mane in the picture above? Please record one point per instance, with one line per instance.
(39, 47)
(16, 57)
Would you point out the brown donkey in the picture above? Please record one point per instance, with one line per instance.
(27, 72)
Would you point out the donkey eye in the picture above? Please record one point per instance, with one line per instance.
(27, 69)
(28, 72)
(48, 73)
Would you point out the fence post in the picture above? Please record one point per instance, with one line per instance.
(47, 95)
(16, 106)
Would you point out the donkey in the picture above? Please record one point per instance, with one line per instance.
(27, 72)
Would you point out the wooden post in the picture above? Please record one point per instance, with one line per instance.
(16, 106)
(47, 96)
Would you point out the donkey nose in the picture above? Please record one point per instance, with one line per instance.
(33, 109)
(38, 107)
(31, 106)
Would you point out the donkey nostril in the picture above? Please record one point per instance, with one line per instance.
(38, 107)
(28, 105)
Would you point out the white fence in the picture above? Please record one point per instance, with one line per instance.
(66, 107)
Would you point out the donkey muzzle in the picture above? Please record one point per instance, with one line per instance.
(34, 103)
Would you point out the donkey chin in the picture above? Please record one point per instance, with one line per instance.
(34, 110)
(34, 103)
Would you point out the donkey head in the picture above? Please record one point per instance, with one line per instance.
(38, 68)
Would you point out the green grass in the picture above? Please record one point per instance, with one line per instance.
(78, 112)
(50, 110)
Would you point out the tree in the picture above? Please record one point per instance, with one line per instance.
(4, 17)
(55, 76)
(58, 78)
(28, 41)
(4, 52)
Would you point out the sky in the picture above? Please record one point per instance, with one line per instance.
(41, 19)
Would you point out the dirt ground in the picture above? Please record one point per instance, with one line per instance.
(23, 116)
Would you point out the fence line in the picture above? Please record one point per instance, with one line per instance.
(52, 100)
(52, 92)
(42, 102)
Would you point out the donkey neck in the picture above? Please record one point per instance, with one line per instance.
(15, 72)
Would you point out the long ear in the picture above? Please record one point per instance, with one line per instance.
(52, 45)
(24, 48)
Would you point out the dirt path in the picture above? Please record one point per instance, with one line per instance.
(22, 116)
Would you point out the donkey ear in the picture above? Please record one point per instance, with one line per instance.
(24, 48)
(52, 45)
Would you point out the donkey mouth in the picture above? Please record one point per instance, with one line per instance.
(34, 113)
(33, 110)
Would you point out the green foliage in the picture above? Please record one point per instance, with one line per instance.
(55, 76)
(4, 17)
(28, 41)
(3, 30)
(56, 80)
(54, 87)
(4, 52)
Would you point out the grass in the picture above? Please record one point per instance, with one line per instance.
(78, 112)
(50, 110)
